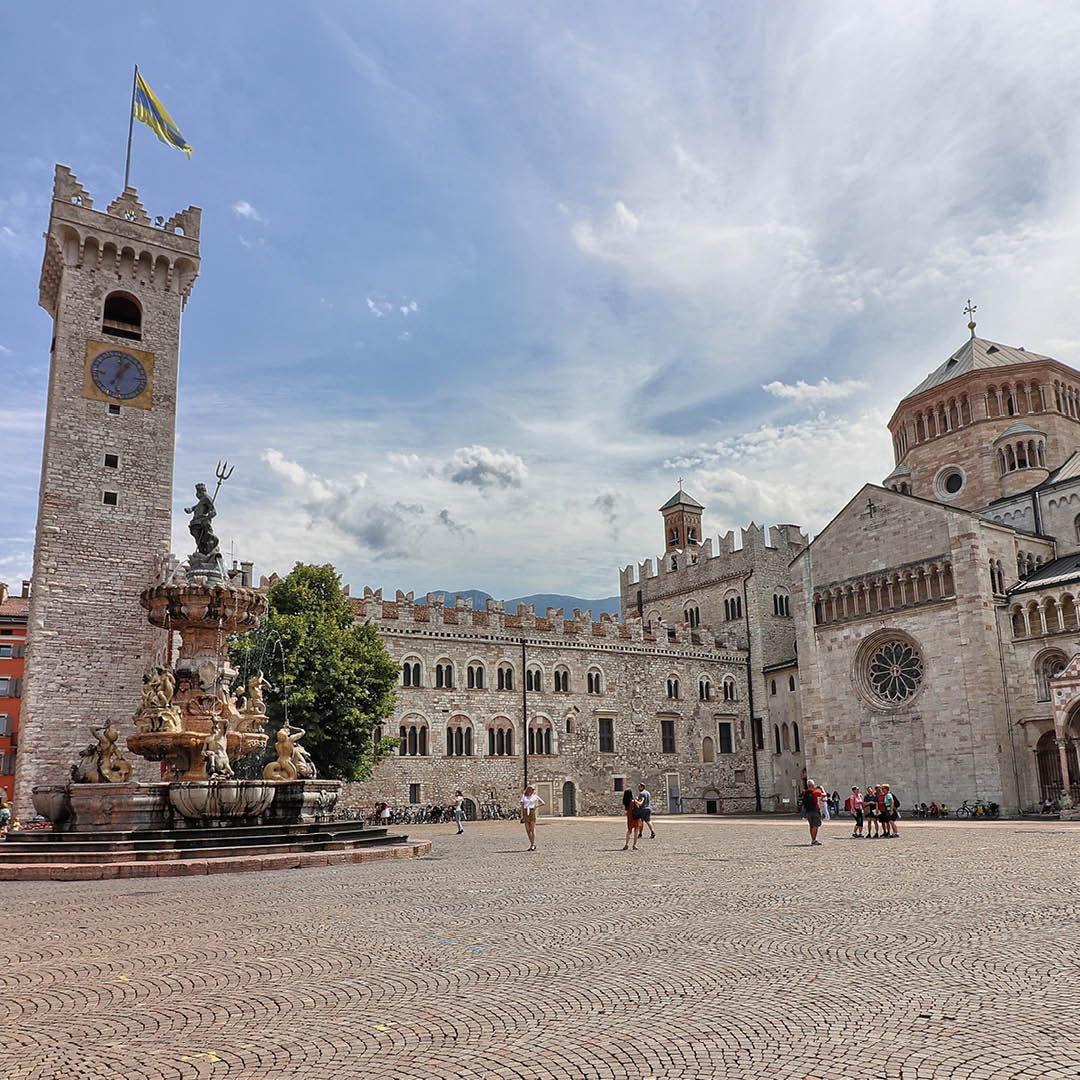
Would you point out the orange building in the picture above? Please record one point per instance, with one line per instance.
(14, 615)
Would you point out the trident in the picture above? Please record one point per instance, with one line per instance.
(222, 472)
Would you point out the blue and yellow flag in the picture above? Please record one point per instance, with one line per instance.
(152, 113)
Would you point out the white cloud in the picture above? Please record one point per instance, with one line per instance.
(482, 467)
(246, 210)
(378, 308)
(409, 307)
(5, 351)
(815, 393)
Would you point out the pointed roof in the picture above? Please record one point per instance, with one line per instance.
(976, 354)
(680, 498)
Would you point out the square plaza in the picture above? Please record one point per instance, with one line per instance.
(721, 949)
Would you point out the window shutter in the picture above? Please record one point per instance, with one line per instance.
(18, 650)
(16, 688)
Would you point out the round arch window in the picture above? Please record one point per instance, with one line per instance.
(950, 481)
(889, 669)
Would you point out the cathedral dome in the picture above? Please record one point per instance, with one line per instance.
(976, 354)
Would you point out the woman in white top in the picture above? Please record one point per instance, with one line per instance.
(529, 802)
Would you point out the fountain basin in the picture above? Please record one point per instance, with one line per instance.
(182, 751)
(211, 801)
(304, 801)
(53, 802)
(227, 608)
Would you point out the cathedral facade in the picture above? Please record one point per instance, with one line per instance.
(937, 613)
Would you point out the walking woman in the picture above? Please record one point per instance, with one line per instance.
(529, 802)
(633, 820)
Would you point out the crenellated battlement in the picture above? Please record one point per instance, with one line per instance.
(121, 242)
(706, 563)
(434, 616)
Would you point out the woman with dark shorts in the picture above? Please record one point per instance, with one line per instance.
(856, 802)
(869, 806)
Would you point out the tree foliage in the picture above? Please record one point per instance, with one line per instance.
(333, 672)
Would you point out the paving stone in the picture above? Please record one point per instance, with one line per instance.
(723, 949)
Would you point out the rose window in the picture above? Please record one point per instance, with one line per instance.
(894, 671)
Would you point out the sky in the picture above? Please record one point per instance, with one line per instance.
(481, 281)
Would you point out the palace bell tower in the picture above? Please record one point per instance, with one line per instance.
(115, 284)
(682, 521)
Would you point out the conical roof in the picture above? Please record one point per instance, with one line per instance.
(976, 354)
(680, 498)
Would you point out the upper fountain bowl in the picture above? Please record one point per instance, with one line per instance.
(230, 608)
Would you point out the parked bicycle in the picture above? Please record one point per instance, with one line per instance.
(978, 809)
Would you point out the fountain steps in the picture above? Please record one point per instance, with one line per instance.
(59, 856)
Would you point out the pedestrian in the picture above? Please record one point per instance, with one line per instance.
(883, 810)
(633, 818)
(812, 810)
(892, 812)
(836, 804)
(823, 804)
(870, 811)
(645, 809)
(384, 813)
(459, 811)
(529, 802)
(855, 805)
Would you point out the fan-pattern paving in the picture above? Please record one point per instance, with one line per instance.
(722, 949)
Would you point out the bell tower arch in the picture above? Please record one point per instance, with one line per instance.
(682, 521)
(115, 285)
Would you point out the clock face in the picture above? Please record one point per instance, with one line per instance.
(118, 374)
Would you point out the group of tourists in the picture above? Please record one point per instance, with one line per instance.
(876, 811)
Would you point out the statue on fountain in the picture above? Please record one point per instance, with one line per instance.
(293, 761)
(205, 562)
(253, 707)
(215, 751)
(156, 711)
(101, 762)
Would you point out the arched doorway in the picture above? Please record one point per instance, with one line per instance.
(1048, 761)
(569, 800)
(470, 809)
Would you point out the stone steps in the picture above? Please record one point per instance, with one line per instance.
(61, 856)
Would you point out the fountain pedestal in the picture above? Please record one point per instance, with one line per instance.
(298, 802)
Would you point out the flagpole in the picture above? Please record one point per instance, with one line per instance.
(131, 124)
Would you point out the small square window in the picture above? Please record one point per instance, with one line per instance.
(112, 461)
(414, 793)
(617, 783)
(109, 498)
(114, 410)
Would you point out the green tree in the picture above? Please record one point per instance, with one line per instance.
(337, 676)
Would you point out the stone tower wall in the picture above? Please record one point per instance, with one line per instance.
(89, 642)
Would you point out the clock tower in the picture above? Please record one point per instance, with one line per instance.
(115, 284)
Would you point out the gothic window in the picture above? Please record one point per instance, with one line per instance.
(795, 736)
(1076, 526)
(776, 738)
(594, 681)
(540, 738)
(410, 673)
(733, 607)
(505, 677)
(772, 687)
(569, 725)
(475, 676)
(704, 690)
(1047, 665)
(791, 683)
(500, 738)
(459, 737)
(1068, 613)
(781, 603)
(562, 680)
(414, 737)
(444, 675)
(708, 750)
(784, 737)
(534, 680)
(759, 733)
(889, 668)
(673, 689)
(122, 316)
(729, 688)
(692, 616)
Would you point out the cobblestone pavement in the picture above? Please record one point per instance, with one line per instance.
(722, 949)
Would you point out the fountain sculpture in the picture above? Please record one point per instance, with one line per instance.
(194, 717)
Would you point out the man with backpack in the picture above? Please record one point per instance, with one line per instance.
(812, 809)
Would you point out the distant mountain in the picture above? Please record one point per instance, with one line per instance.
(608, 604)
